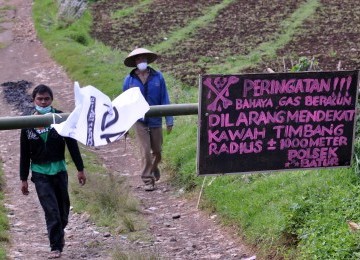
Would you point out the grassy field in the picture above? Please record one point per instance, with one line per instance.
(291, 215)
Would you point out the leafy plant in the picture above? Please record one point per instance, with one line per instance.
(305, 64)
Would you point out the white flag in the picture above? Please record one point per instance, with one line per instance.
(97, 121)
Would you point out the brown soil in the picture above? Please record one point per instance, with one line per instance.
(177, 228)
(148, 26)
(231, 33)
(330, 35)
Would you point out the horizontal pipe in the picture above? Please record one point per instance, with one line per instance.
(19, 122)
(173, 110)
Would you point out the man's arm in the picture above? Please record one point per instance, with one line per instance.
(24, 162)
(24, 156)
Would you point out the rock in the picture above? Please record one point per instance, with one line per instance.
(181, 204)
(107, 234)
(176, 216)
(184, 252)
(85, 217)
(249, 258)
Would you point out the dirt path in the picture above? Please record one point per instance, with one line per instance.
(178, 229)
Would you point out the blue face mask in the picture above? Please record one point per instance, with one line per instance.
(43, 110)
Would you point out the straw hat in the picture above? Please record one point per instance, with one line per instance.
(130, 59)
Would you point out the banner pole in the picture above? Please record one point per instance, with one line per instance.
(202, 187)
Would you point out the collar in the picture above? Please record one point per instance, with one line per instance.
(151, 71)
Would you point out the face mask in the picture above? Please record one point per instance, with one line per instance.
(142, 66)
(43, 110)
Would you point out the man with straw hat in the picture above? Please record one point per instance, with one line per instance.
(148, 130)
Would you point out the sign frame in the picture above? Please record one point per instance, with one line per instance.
(221, 98)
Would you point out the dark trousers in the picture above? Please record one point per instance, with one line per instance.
(52, 191)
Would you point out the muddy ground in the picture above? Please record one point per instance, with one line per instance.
(191, 234)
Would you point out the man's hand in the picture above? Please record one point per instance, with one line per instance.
(81, 177)
(169, 128)
(24, 187)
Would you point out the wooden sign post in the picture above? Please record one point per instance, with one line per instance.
(276, 121)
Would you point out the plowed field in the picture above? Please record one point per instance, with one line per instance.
(235, 30)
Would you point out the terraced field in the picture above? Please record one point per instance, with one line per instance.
(144, 24)
(196, 36)
(331, 35)
(212, 36)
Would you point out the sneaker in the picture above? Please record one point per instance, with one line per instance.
(149, 187)
(156, 174)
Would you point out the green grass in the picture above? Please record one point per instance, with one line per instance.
(4, 221)
(185, 32)
(85, 60)
(119, 254)
(299, 210)
(291, 215)
(122, 13)
(7, 7)
(3, 11)
(106, 198)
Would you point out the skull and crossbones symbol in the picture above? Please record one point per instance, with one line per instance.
(221, 89)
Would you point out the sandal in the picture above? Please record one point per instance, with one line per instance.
(54, 254)
(149, 187)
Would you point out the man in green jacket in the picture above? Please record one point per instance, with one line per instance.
(42, 150)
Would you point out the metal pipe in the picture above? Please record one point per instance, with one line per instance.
(19, 122)
(173, 110)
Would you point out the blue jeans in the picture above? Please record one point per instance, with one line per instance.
(52, 191)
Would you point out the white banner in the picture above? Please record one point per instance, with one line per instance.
(97, 121)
